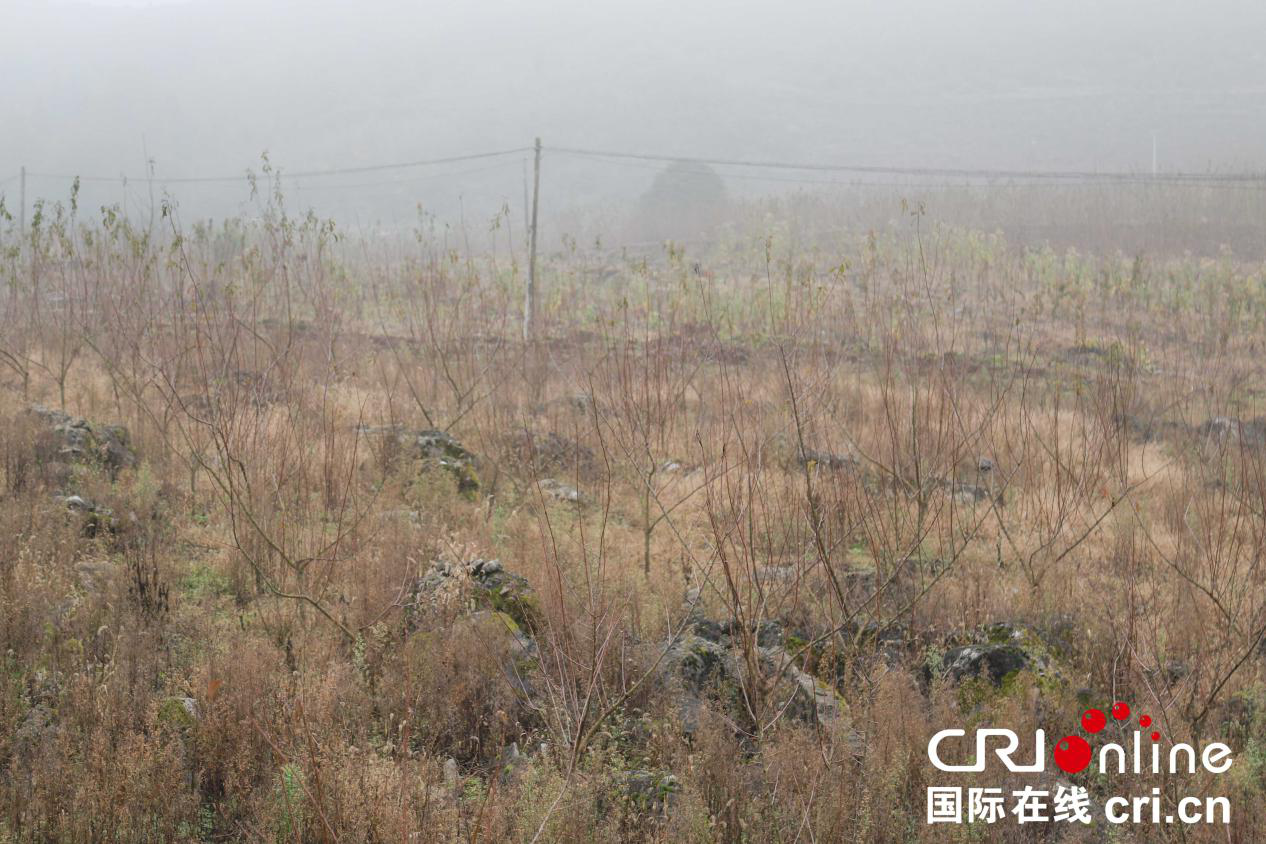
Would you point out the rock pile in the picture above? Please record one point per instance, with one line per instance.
(485, 583)
(65, 443)
(707, 661)
(433, 447)
(67, 440)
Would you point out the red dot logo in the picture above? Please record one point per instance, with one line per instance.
(1093, 720)
(1072, 754)
(1145, 721)
(1120, 710)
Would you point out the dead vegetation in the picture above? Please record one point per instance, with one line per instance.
(710, 561)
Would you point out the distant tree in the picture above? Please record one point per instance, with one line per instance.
(686, 200)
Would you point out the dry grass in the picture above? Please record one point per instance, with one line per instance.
(773, 436)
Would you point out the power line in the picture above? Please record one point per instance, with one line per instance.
(943, 172)
(307, 174)
(962, 184)
(405, 181)
(971, 177)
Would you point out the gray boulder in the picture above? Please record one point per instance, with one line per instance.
(651, 791)
(829, 460)
(707, 661)
(995, 662)
(559, 491)
(431, 446)
(96, 519)
(1228, 428)
(489, 583)
(73, 440)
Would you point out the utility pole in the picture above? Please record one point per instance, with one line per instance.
(527, 205)
(22, 202)
(529, 300)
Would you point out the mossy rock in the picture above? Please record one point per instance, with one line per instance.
(73, 440)
(179, 713)
(466, 477)
(445, 451)
(698, 661)
(994, 661)
(509, 622)
(511, 596)
(433, 447)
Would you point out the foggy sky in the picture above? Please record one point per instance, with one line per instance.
(204, 87)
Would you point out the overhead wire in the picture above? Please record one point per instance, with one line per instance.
(950, 178)
(303, 174)
(1087, 176)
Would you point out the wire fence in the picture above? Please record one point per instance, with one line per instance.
(753, 169)
(1095, 209)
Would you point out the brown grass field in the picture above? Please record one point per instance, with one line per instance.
(764, 518)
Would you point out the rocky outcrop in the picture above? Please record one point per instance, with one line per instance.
(558, 491)
(828, 460)
(1216, 429)
(992, 661)
(65, 447)
(651, 791)
(707, 661)
(96, 519)
(966, 493)
(485, 583)
(995, 653)
(66, 440)
(1144, 428)
(430, 447)
(1250, 432)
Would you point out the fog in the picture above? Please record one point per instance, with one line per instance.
(205, 88)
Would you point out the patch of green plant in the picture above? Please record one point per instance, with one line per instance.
(289, 798)
(203, 581)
